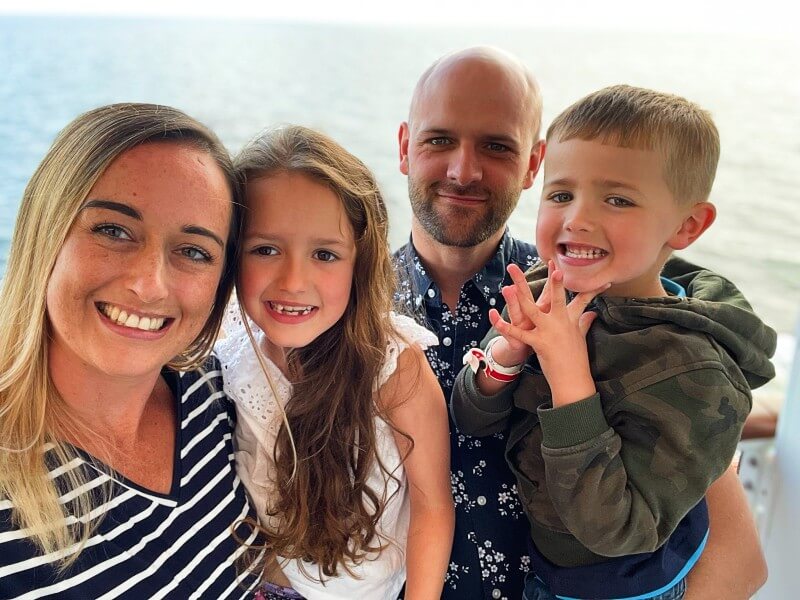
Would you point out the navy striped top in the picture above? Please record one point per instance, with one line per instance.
(150, 545)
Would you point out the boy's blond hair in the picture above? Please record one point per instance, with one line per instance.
(632, 117)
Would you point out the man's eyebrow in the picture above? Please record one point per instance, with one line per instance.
(197, 230)
(435, 131)
(116, 206)
(502, 138)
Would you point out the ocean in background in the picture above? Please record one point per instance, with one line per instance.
(355, 82)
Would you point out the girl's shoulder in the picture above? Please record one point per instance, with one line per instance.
(232, 334)
(405, 333)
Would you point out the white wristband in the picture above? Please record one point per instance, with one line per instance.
(497, 367)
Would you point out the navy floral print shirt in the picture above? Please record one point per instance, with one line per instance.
(490, 557)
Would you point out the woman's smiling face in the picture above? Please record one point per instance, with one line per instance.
(135, 281)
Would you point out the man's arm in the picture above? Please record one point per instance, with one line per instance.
(732, 565)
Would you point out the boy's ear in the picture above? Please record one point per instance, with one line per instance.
(402, 139)
(700, 218)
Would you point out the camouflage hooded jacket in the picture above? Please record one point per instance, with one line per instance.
(614, 474)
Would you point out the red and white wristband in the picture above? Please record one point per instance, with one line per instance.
(491, 368)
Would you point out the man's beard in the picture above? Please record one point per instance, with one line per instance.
(461, 227)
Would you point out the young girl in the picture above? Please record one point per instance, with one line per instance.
(342, 428)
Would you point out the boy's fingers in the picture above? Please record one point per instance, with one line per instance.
(512, 332)
(524, 294)
(543, 301)
(582, 300)
(585, 322)
(558, 299)
(515, 314)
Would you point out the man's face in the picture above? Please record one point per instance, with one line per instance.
(468, 153)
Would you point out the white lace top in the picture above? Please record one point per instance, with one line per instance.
(258, 422)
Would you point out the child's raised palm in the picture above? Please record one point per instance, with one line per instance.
(511, 350)
(555, 330)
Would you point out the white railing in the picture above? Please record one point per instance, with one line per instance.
(774, 491)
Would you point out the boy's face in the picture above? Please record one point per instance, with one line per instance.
(607, 215)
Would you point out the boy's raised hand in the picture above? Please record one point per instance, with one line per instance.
(556, 331)
(512, 351)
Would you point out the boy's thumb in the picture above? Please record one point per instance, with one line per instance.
(585, 321)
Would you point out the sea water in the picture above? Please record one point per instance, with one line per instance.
(355, 82)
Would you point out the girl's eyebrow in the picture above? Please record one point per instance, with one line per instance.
(267, 237)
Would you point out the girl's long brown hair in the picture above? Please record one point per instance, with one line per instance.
(326, 446)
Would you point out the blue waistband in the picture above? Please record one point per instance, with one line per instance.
(632, 577)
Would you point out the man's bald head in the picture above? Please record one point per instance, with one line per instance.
(470, 146)
(471, 69)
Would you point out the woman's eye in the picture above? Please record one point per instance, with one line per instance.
(196, 254)
(112, 231)
(325, 255)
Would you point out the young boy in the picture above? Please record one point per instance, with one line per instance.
(615, 435)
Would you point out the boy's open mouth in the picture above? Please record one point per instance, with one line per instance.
(582, 252)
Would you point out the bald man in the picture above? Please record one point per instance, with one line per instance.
(470, 146)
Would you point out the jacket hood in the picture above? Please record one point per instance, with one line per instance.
(714, 306)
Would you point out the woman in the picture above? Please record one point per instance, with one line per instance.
(116, 463)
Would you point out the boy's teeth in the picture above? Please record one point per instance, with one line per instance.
(584, 252)
(120, 317)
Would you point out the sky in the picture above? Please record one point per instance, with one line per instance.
(765, 17)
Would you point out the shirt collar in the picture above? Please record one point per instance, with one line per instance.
(488, 280)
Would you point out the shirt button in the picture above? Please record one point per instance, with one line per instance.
(492, 301)
(496, 593)
(447, 341)
(482, 501)
(431, 293)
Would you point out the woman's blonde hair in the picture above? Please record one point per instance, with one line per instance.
(33, 419)
(326, 446)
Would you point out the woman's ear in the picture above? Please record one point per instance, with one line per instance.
(699, 218)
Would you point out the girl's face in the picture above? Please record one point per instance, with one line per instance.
(297, 261)
(135, 281)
